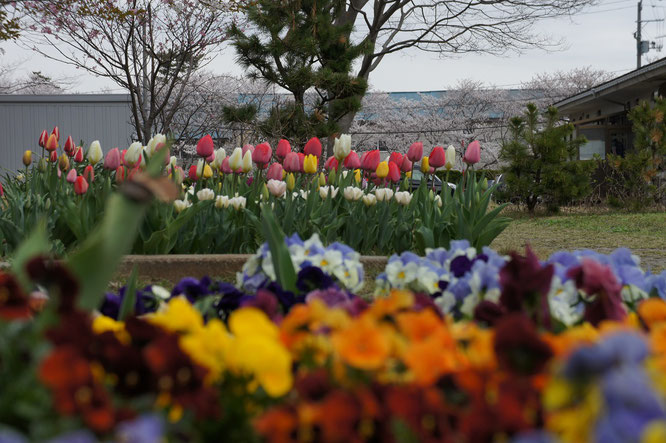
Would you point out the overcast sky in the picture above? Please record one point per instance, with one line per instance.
(600, 37)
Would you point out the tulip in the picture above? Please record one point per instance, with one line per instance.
(352, 161)
(2, 191)
(219, 157)
(205, 194)
(27, 158)
(276, 187)
(200, 167)
(383, 194)
(192, 173)
(331, 177)
(283, 148)
(370, 160)
(342, 147)
(173, 162)
(406, 165)
(56, 133)
(291, 182)
(41, 165)
(121, 174)
(352, 193)
(396, 158)
(63, 162)
(133, 155)
(301, 160)
(382, 170)
(51, 143)
(53, 157)
(310, 164)
(246, 164)
(322, 179)
(178, 175)
(238, 203)
(43, 137)
(313, 147)
(369, 200)
(222, 202)
(274, 172)
(291, 162)
(69, 146)
(393, 172)
(415, 152)
(425, 165)
(71, 175)
(437, 157)
(89, 174)
(205, 146)
(211, 158)
(236, 159)
(247, 148)
(225, 168)
(357, 176)
(438, 201)
(403, 197)
(78, 157)
(181, 205)
(80, 185)
(331, 163)
(155, 144)
(324, 191)
(112, 159)
(262, 155)
(95, 153)
(450, 157)
(59, 172)
(473, 153)
(207, 171)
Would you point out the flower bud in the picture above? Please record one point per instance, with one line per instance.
(322, 179)
(369, 200)
(63, 162)
(291, 181)
(27, 158)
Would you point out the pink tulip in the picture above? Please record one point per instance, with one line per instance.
(473, 153)
(205, 146)
(71, 175)
(394, 172)
(89, 174)
(283, 148)
(396, 158)
(112, 159)
(331, 163)
(415, 152)
(274, 172)
(80, 185)
(56, 132)
(301, 161)
(53, 157)
(193, 173)
(43, 137)
(406, 165)
(352, 161)
(276, 187)
(370, 160)
(2, 191)
(225, 168)
(209, 159)
(69, 146)
(59, 172)
(262, 155)
(437, 157)
(291, 162)
(78, 157)
(313, 147)
(248, 148)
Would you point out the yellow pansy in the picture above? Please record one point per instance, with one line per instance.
(102, 323)
(178, 316)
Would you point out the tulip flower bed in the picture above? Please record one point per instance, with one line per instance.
(360, 201)
(457, 345)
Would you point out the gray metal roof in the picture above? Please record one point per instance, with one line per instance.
(64, 98)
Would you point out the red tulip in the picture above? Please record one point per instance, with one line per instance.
(205, 146)
(224, 167)
(120, 174)
(69, 146)
(2, 191)
(192, 174)
(262, 155)
(473, 153)
(51, 143)
(274, 172)
(370, 160)
(71, 175)
(437, 157)
(78, 157)
(283, 148)
(394, 172)
(396, 158)
(406, 165)
(313, 147)
(331, 163)
(301, 161)
(89, 174)
(53, 157)
(352, 161)
(291, 162)
(42, 138)
(56, 132)
(80, 185)
(112, 159)
(415, 152)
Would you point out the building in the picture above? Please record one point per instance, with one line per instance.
(86, 117)
(601, 113)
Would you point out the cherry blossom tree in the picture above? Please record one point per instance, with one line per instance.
(150, 48)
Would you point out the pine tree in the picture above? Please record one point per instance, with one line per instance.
(541, 165)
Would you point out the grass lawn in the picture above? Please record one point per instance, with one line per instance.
(643, 233)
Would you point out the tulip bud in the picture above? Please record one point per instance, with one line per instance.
(207, 171)
(262, 155)
(342, 147)
(325, 191)
(484, 184)
(51, 143)
(63, 162)
(331, 177)
(200, 168)
(322, 179)
(247, 148)
(403, 197)
(69, 146)
(53, 157)
(27, 158)
(415, 152)
(56, 133)
(283, 148)
(370, 160)
(192, 173)
(89, 174)
(450, 157)
(264, 192)
(41, 166)
(219, 157)
(133, 155)
(120, 174)
(382, 170)
(310, 164)
(173, 161)
(277, 187)
(205, 146)
(406, 165)
(181, 205)
(437, 157)
(274, 172)
(291, 181)
(331, 164)
(71, 176)
(238, 203)
(236, 159)
(246, 164)
(313, 147)
(205, 194)
(291, 162)
(352, 193)
(473, 153)
(352, 161)
(393, 172)
(43, 137)
(154, 144)
(112, 159)
(95, 153)
(357, 176)
(80, 185)
(383, 194)
(425, 165)
(438, 201)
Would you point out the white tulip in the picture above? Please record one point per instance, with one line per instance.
(369, 200)
(403, 197)
(200, 167)
(236, 159)
(323, 191)
(95, 153)
(352, 193)
(181, 205)
(220, 155)
(246, 164)
(450, 157)
(205, 194)
(222, 201)
(238, 203)
(438, 200)
(342, 147)
(383, 194)
(133, 154)
(154, 143)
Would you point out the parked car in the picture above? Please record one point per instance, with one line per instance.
(434, 182)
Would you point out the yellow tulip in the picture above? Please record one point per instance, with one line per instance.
(357, 176)
(408, 174)
(207, 171)
(291, 182)
(425, 165)
(27, 158)
(382, 169)
(310, 164)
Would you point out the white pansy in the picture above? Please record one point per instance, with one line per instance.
(400, 275)
(446, 302)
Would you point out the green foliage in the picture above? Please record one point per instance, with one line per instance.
(541, 166)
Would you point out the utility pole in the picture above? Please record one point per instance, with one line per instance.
(642, 47)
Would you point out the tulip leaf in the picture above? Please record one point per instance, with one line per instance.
(284, 268)
(37, 243)
(129, 300)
